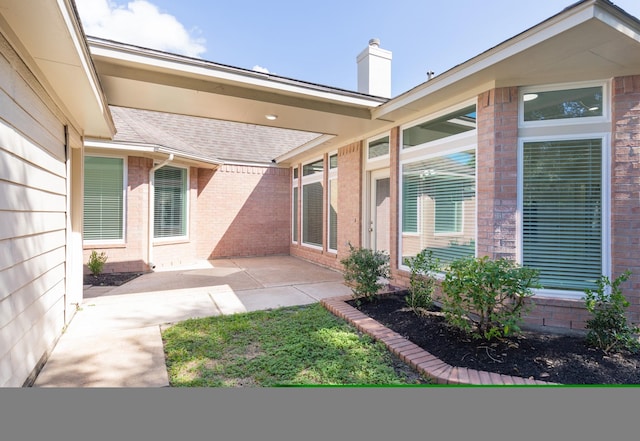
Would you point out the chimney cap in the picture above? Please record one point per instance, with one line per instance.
(374, 42)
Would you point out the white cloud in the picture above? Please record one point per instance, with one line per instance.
(139, 22)
(259, 68)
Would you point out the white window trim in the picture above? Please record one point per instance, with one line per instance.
(606, 106)
(332, 175)
(606, 206)
(305, 180)
(125, 183)
(181, 238)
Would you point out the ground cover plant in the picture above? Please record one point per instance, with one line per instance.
(302, 345)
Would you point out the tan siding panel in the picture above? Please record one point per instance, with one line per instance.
(18, 198)
(18, 249)
(17, 224)
(14, 169)
(25, 272)
(19, 301)
(16, 144)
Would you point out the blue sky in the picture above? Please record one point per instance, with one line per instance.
(319, 41)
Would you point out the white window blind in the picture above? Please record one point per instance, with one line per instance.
(562, 212)
(103, 198)
(170, 202)
(294, 221)
(312, 214)
(333, 214)
(438, 206)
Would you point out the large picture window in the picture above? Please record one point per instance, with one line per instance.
(170, 202)
(103, 199)
(562, 211)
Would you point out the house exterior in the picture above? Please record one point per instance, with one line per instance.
(528, 151)
(50, 98)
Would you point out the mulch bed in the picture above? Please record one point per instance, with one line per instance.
(553, 357)
(109, 279)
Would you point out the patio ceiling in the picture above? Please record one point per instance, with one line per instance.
(147, 79)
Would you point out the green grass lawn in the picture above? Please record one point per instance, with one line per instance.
(302, 345)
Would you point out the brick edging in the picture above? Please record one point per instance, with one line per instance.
(416, 357)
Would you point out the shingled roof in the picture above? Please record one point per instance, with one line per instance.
(215, 139)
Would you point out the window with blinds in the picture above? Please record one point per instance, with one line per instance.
(103, 199)
(562, 212)
(439, 206)
(294, 221)
(312, 214)
(333, 214)
(170, 202)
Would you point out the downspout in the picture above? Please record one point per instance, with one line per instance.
(150, 216)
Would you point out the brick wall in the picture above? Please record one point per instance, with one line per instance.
(497, 122)
(243, 211)
(625, 191)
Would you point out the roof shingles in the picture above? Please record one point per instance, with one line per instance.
(216, 139)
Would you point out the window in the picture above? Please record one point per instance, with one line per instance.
(563, 177)
(562, 211)
(170, 202)
(563, 104)
(104, 199)
(332, 230)
(438, 185)
(378, 148)
(312, 203)
(438, 205)
(454, 123)
(294, 208)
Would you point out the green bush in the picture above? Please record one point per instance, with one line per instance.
(96, 262)
(608, 328)
(364, 270)
(486, 297)
(421, 282)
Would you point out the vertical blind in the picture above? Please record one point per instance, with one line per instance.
(438, 206)
(562, 212)
(103, 198)
(170, 202)
(295, 214)
(312, 214)
(333, 214)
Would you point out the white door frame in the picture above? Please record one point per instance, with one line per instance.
(370, 225)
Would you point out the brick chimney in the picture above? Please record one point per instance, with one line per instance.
(374, 70)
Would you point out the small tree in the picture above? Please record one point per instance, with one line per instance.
(96, 262)
(487, 297)
(421, 282)
(608, 327)
(365, 271)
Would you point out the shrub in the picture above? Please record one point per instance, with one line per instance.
(485, 297)
(421, 282)
(608, 327)
(96, 262)
(364, 271)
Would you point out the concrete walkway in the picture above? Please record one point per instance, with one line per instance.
(114, 338)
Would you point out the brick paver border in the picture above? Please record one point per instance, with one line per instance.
(419, 359)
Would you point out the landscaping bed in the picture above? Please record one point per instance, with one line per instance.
(547, 356)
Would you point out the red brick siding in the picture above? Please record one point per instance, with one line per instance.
(496, 156)
(243, 211)
(625, 188)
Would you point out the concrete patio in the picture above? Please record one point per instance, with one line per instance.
(114, 338)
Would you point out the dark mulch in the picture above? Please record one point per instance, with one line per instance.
(553, 357)
(109, 279)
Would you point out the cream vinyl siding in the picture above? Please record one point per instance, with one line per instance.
(33, 219)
